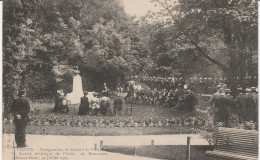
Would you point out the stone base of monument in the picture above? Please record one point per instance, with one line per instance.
(74, 98)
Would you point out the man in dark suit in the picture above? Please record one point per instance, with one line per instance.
(212, 100)
(223, 105)
(255, 98)
(118, 102)
(244, 103)
(20, 109)
(84, 104)
(230, 105)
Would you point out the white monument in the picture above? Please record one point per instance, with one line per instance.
(77, 90)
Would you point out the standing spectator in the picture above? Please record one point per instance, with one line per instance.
(189, 101)
(56, 100)
(241, 104)
(84, 104)
(255, 97)
(230, 104)
(213, 99)
(20, 109)
(118, 102)
(222, 109)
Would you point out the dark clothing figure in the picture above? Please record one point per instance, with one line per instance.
(131, 88)
(104, 107)
(118, 106)
(212, 101)
(56, 102)
(255, 117)
(245, 106)
(105, 92)
(62, 104)
(20, 109)
(84, 106)
(223, 104)
(255, 98)
(189, 102)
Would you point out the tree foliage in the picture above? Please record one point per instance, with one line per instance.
(44, 40)
(222, 32)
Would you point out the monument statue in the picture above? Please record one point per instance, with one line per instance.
(77, 90)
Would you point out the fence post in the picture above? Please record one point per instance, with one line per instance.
(152, 142)
(188, 148)
(14, 150)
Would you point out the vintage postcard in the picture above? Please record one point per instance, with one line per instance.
(129, 79)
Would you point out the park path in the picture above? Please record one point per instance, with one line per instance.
(91, 144)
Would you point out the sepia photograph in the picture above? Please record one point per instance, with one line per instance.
(129, 79)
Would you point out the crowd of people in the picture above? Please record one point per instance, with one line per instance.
(181, 99)
(198, 84)
(92, 103)
(245, 104)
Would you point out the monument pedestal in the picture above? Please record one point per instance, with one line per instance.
(77, 91)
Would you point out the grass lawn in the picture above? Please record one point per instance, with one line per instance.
(139, 112)
(163, 152)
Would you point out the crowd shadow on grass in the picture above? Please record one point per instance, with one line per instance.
(177, 152)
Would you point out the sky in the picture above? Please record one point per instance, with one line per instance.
(138, 8)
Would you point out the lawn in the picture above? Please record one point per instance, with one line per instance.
(146, 120)
(177, 152)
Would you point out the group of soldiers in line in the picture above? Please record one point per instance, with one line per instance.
(200, 85)
(181, 99)
(245, 105)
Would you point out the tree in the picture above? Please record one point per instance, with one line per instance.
(215, 29)
(44, 40)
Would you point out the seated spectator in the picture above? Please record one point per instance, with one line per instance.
(84, 104)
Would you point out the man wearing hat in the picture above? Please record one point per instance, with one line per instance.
(212, 101)
(118, 102)
(220, 91)
(245, 105)
(251, 104)
(20, 109)
(223, 105)
(240, 102)
(248, 91)
(84, 104)
(229, 107)
(254, 95)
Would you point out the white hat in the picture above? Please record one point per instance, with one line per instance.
(248, 90)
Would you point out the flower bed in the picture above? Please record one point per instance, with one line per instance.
(102, 122)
